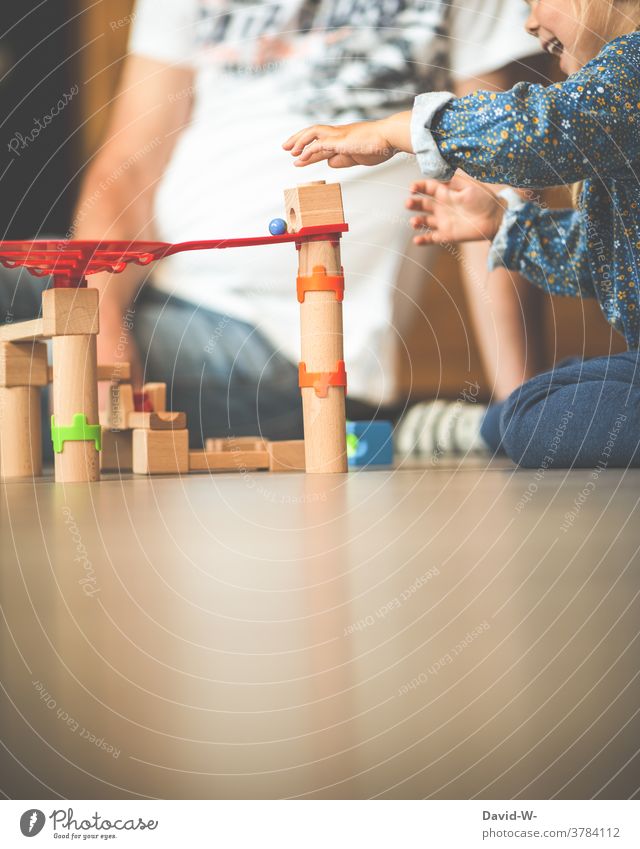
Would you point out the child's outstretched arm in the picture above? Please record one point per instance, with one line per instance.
(362, 143)
(533, 135)
(539, 136)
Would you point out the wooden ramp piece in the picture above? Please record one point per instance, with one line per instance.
(237, 460)
(157, 421)
(22, 331)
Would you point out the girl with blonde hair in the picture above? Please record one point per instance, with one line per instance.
(586, 131)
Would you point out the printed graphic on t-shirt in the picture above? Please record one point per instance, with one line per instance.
(353, 58)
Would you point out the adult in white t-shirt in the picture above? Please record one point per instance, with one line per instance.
(209, 91)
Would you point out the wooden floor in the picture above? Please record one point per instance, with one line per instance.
(451, 631)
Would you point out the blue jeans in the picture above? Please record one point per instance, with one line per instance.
(222, 372)
(581, 414)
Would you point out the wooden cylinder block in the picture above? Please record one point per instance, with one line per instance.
(75, 390)
(21, 432)
(321, 330)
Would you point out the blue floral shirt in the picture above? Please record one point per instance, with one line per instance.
(584, 129)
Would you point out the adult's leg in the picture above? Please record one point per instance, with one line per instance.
(222, 372)
(577, 415)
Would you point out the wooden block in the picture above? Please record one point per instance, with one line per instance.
(228, 443)
(115, 372)
(20, 442)
(157, 421)
(70, 312)
(23, 364)
(116, 416)
(312, 204)
(111, 372)
(160, 452)
(157, 394)
(117, 451)
(22, 331)
(286, 456)
(227, 461)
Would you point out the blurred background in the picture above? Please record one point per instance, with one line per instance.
(48, 51)
(70, 52)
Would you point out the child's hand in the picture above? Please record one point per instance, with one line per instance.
(362, 143)
(460, 211)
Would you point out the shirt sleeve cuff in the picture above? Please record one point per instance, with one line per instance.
(500, 244)
(431, 162)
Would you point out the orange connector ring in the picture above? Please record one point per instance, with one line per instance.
(322, 380)
(320, 281)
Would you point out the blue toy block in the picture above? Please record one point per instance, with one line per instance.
(369, 444)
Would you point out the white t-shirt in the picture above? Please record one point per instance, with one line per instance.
(265, 70)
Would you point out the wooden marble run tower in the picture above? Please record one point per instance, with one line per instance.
(320, 287)
(70, 319)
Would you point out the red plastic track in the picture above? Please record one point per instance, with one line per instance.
(69, 262)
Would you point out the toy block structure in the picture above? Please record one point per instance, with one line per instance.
(70, 319)
(138, 437)
(23, 372)
(320, 288)
(140, 427)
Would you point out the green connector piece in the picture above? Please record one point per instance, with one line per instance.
(79, 431)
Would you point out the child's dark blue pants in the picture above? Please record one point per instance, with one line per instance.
(582, 413)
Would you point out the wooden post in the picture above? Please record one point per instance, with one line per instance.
(320, 327)
(75, 376)
(23, 370)
(21, 441)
